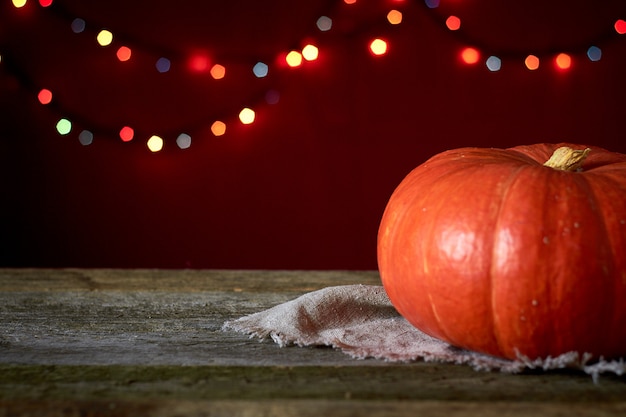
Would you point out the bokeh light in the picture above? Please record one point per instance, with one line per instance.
(349, 1)
(163, 65)
(104, 38)
(183, 141)
(260, 70)
(218, 71)
(620, 26)
(45, 3)
(531, 62)
(324, 23)
(294, 59)
(64, 126)
(155, 143)
(124, 53)
(394, 17)
(246, 116)
(594, 53)
(378, 47)
(218, 128)
(272, 97)
(19, 3)
(563, 61)
(433, 4)
(493, 63)
(453, 23)
(44, 96)
(78, 25)
(199, 62)
(85, 138)
(310, 52)
(127, 134)
(470, 55)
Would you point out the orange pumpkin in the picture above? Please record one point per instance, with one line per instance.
(493, 251)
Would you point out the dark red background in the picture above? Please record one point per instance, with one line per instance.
(305, 185)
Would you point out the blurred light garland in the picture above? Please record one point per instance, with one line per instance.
(471, 52)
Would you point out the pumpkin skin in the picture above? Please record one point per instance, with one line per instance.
(489, 250)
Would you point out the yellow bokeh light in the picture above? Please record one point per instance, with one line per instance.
(104, 38)
(378, 47)
(19, 3)
(155, 143)
(218, 128)
(310, 52)
(246, 116)
(532, 62)
(394, 17)
(218, 71)
(294, 59)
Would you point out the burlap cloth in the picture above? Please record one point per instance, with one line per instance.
(360, 321)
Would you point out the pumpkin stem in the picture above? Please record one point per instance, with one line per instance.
(567, 159)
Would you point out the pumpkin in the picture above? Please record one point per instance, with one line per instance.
(512, 252)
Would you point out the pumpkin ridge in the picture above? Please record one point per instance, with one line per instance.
(598, 207)
(506, 186)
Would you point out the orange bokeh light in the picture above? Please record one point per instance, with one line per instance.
(470, 55)
(563, 61)
(218, 128)
(532, 62)
(218, 71)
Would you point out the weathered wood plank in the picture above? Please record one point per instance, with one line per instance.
(149, 342)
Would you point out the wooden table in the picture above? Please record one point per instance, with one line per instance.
(149, 342)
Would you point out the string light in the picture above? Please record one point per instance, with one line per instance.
(44, 96)
(163, 65)
(294, 59)
(64, 126)
(324, 23)
(78, 25)
(218, 128)
(246, 116)
(155, 143)
(218, 71)
(104, 38)
(394, 17)
(453, 23)
(470, 55)
(563, 61)
(493, 63)
(310, 52)
(378, 47)
(127, 134)
(124, 53)
(594, 53)
(183, 141)
(85, 137)
(200, 62)
(260, 70)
